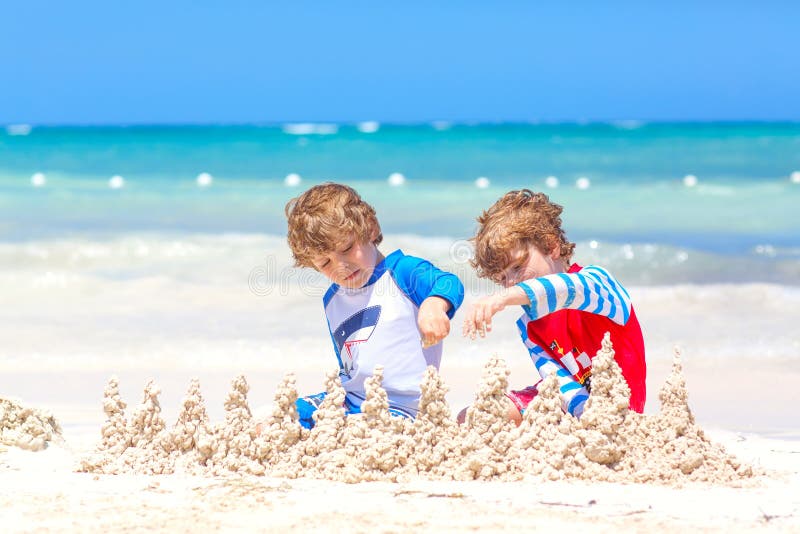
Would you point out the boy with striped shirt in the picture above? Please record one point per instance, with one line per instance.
(567, 308)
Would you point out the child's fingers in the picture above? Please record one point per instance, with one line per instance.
(442, 331)
(468, 326)
(480, 321)
(432, 339)
(475, 321)
(475, 324)
(473, 330)
(434, 330)
(468, 329)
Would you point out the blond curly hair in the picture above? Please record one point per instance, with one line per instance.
(325, 217)
(517, 220)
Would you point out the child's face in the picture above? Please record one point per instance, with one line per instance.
(349, 264)
(537, 264)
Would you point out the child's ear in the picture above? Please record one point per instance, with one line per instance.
(374, 233)
(555, 253)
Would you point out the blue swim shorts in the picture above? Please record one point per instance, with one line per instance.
(306, 406)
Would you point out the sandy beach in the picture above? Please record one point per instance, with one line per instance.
(42, 494)
(42, 491)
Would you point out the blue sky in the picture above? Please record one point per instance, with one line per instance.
(93, 62)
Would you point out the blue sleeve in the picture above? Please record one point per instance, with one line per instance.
(420, 279)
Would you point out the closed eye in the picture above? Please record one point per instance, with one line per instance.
(511, 273)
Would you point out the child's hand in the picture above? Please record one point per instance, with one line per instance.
(479, 316)
(434, 325)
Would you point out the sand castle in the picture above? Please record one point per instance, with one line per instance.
(25, 427)
(608, 443)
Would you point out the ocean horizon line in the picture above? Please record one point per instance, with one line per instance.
(629, 122)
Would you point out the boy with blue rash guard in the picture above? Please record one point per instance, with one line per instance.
(567, 308)
(392, 311)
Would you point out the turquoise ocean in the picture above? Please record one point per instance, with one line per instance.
(117, 251)
(740, 222)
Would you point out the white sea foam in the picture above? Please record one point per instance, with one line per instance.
(310, 128)
(776, 251)
(38, 179)
(629, 124)
(583, 183)
(299, 129)
(368, 126)
(292, 180)
(795, 177)
(690, 180)
(482, 182)
(551, 182)
(212, 301)
(716, 190)
(208, 257)
(19, 129)
(116, 182)
(396, 179)
(204, 179)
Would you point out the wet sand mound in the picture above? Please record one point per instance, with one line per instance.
(27, 428)
(608, 443)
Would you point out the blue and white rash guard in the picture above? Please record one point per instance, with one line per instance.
(377, 325)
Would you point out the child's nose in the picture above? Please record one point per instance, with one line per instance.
(340, 265)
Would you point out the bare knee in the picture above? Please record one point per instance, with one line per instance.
(512, 412)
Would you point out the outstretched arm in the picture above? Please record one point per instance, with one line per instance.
(478, 320)
(592, 290)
